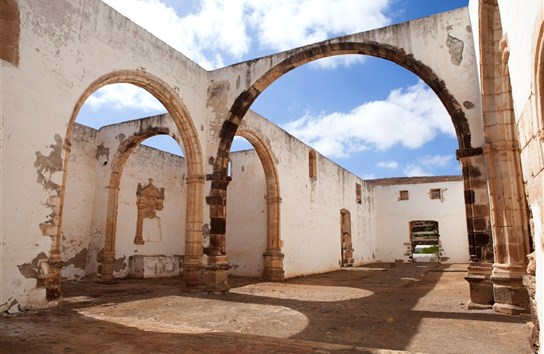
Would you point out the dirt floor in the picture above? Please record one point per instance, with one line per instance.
(380, 308)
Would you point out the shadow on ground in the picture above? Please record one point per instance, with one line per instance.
(411, 306)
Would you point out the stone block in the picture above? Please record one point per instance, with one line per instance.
(154, 266)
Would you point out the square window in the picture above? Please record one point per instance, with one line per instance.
(435, 193)
(403, 195)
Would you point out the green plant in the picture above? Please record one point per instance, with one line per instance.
(428, 250)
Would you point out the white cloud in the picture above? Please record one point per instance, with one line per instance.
(122, 96)
(222, 31)
(414, 170)
(393, 165)
(426, 164)
(436, 160)
(410, 117)
(285, 24)
(218, 28)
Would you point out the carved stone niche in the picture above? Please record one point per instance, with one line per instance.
(150, 199)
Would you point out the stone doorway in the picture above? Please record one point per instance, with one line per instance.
(345, 238)
(424, 241)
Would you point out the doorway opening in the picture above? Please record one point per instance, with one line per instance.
(424, 241)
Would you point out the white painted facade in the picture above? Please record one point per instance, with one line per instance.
(393, 215)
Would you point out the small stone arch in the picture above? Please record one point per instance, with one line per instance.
(125, 150)
(193, 153)
(273, 257)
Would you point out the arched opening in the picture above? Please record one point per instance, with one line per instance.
(254, 242)
(248, 97)
(179, 126)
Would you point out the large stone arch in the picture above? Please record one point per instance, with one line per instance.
(474, 178)
(273, 257)
(195, 175)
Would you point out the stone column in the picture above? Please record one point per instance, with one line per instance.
(107, 258)
(192, 260)
(509, 223)
(509, 217)
(273, 258)
(216, 271)
(478, 228)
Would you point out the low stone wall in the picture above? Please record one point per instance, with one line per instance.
(155, 266)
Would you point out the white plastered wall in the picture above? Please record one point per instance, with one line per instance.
(310, 208)
(247, 214)
(393, 217)
(79, 199)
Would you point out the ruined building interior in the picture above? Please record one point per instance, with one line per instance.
(79, 202)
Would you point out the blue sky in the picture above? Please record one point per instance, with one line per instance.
(369, 115)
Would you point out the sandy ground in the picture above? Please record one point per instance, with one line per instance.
(380, 308)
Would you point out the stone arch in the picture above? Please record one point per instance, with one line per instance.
(273, 257)
(327, 49)
(219, 178)
(193, 153)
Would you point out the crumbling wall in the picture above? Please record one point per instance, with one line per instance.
(79, 199)
(63, 47)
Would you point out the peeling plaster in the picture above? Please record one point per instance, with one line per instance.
(79, 260)
(31, 270)
(217, 100)
(46, 166)
(103, 154)
(456, 47)
(119, 264)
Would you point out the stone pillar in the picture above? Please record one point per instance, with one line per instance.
(216, 271)
(509, 217)
(273, 258)
(478, 228)
(509, 222)
(192, 260)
